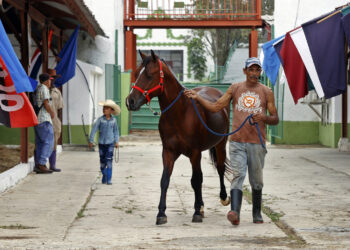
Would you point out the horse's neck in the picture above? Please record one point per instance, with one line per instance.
(171, 90)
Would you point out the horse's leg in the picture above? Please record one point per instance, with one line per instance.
(168, 164)
(196, 182)
(221, 158)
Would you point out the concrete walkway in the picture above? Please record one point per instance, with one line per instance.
(306, 192)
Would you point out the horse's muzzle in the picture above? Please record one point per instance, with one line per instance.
(131, 104)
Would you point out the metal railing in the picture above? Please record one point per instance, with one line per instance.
(192, 9)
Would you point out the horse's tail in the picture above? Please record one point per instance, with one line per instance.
(228, 169)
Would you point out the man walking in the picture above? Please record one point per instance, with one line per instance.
(246, 151)
(44, 136)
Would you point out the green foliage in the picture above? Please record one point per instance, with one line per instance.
(197, 58)
(217, 42)
(267, 7)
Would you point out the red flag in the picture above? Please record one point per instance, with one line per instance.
(294, 69)
(14, 106)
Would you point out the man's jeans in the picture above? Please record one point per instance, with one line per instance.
(106, 161)
(243, 156)
(44, 141)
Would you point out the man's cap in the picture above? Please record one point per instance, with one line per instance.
(52, 73)
(251, 61)
(44, 77)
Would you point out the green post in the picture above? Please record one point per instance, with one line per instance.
(125, 89)
(116, 48)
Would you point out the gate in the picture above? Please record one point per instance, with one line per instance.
(276, 131)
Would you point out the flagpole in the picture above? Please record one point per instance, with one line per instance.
(25, 63)
(329, 16)
(345, 98)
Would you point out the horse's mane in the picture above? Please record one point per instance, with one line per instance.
(172, 72)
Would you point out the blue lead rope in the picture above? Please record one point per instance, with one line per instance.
(170, 105)
(173, 102)
(249, 118)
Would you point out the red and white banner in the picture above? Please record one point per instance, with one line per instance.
(16, 110)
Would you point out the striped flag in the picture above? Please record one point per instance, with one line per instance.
(36, 62)
(326, 42)
(294, 69)
(300, 42)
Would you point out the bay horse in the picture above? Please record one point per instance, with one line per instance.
(180, 129)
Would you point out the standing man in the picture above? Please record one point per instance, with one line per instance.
(57, 105)
(44, 136)
(246, 151)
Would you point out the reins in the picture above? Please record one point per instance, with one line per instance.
(167, 108)
(249, 118)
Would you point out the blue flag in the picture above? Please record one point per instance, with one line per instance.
(346, 22)
(278, 47)
(15, 69)
(271, 63)
(68, 55)
(326, 42)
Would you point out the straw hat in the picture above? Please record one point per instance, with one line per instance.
(111, 104)
(52, 73)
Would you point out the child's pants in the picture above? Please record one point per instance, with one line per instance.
(106, 161)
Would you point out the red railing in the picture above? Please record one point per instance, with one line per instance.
(192, 9)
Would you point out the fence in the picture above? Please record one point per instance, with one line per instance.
(192, 9)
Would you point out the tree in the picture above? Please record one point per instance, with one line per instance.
(219, 41)
(197, 58)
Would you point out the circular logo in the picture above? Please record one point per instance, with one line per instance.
(249, 101)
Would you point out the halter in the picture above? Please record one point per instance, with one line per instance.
(146, 93)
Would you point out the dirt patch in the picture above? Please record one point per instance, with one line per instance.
(11, 156)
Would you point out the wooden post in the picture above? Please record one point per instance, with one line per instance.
(258, 9)
(25, 63)
(253, 43)
(59, 47)
(130, 53)
(45, 49)
(131, 9)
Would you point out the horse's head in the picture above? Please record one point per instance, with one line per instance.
(149, 82)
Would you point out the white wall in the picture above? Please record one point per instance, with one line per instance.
(77, 98)
(101, 50)
(288, 15)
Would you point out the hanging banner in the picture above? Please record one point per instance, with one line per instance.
(15, 109)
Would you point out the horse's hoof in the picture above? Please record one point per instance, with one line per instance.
(161, 220)
(226, 202)
(197, 218)
(202, 211)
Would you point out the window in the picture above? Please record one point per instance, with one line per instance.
(174, 59)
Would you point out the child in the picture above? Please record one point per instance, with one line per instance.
(108, 138)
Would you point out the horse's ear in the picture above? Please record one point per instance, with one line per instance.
(143, 56)
(153, 56)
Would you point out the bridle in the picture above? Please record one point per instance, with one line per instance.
(160, 86)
